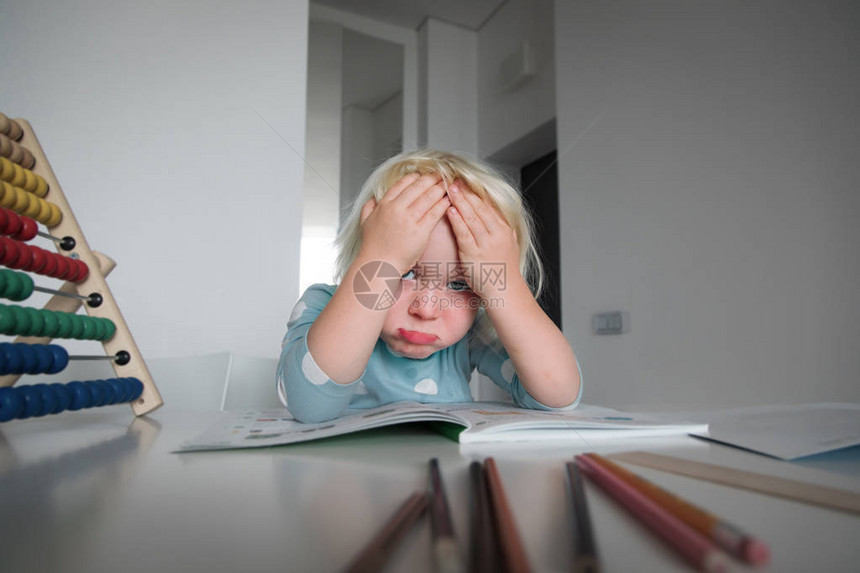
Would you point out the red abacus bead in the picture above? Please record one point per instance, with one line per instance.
(74, 271)
(29, 228)
(4, 220)
(83, 270)
(50, 268)
(40, 260)
(64, 267)
(24, 260)
(14, 225)
(10, 251)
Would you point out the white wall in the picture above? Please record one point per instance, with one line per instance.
(709, 183)
(176, 130)
(505, 116)
(321, 204)
(448, 69)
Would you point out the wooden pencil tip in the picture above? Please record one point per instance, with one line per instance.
(755, 552)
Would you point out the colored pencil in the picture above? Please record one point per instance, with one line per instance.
(374, 555)
(696, 549)
(446, 550)
(830, 497)
(726, 535)
(511, 546)
(584, 548)
(483, 551)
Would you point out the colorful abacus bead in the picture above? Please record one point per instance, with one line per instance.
(43, 399)
(20, 358)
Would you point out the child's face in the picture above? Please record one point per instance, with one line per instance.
(436, 307)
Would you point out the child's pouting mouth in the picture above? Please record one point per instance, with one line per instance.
(416, 337)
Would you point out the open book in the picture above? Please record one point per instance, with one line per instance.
(468, 423)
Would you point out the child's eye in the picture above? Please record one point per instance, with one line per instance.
(409, 276)
(458, 285)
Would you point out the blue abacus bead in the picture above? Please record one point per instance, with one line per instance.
(60, 358)
(49, 399)
(80, 394)
(32, 401)
(5, 357)
(136, 389)
(110, 392)
(11, 403)
(118, 390)
(64, 397)
(29, 360)
(11, 359)
(44, 359)
(97, 392)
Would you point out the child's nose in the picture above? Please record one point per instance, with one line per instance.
(425, 304)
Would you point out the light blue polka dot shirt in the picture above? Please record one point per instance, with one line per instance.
(444, 376)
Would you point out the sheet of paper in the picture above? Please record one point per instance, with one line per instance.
(787, 432)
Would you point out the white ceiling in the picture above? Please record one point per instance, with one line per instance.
(411, 13)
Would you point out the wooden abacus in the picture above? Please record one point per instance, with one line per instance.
(30, 194)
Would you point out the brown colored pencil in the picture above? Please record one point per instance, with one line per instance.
(446, 549)
(511, 545)
(584, 548)
(727, 536)
(483, 550)
(376, 553)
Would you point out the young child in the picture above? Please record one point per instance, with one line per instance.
(434, 270)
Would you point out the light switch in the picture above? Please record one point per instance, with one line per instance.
(609, 322)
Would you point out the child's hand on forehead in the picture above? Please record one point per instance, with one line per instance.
(488, 246)
(396, 228)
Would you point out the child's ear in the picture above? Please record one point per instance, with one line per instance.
(367, 209)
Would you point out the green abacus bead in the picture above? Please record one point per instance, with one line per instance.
(51, 323)
(89, 332)
(110, 329)
(37, 323)
(22, 320)
(64, 325)
(99, 328)
(77, 327)
(7, 319)
(19, 286)
(10, 285)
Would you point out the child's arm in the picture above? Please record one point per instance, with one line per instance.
(541, 355)
(395, 231)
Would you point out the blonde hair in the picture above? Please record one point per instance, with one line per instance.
(483, 180)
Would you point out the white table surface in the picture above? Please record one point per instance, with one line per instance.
(100, 491)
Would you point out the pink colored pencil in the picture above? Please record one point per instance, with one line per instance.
(695, 548)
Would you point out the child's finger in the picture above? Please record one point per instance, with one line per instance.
(426, 200)
(436, 212)
(401, 184)
(464, 236)
(418, 187)
(484, 209)
(466, 210)
(367, 209)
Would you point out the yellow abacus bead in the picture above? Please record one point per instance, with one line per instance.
(22, 200)
(5, 165)
(56, 216)
(20, 177)
(44, 212)
(30, 181)
(34, 208)
(7, 195)
(41, 187)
